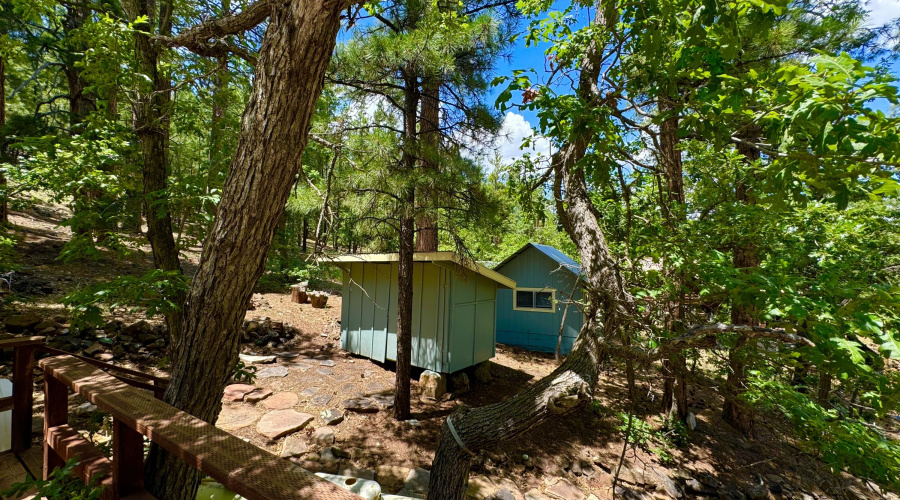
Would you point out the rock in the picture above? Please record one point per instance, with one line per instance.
(360, 405)
(756, 492)
(282, 422)
(433, 384)
(483, 372)
(257, 395)
(293, 446)
(22, 322)
(576, 468)
(730, 491)
(37, 424)
(85, 409)
(480, 488)
(117, 351)
(535, 494)
(321, 399)
(237, 417)
(627, 493)
(511, 486)
(93, 349)
(384, 401)
(299, 366)
(691, 421)
(287, 355)
(459, 382)
(708, 479)
(391, 477)
(325, 371)
(696, 487)
(665, 483)
(309, 391)
(281, 401)
(326, 362)
(236, 392)
(332, 417)
(565, 490)
(417, 481)
(502, 494)
(406, 494)
(105, 357)
(322, 436)
(272, 371)
(358, 472)
(249, 359)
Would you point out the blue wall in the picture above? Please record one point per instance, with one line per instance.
(538, 331)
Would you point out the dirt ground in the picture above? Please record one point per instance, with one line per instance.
(377, 439)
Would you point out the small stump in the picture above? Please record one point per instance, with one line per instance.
(318, 299)
(298, 293)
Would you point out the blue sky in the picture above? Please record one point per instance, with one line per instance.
(518, 124)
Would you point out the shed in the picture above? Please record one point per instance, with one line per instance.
(454, 305)
(547, 282)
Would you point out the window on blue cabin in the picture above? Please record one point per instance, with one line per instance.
(534, 299)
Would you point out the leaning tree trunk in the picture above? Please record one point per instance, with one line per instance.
(151, 112)
(468, 431)
(735, 410)
(288, 80)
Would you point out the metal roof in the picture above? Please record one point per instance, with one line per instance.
(560, 258)
(422, 257)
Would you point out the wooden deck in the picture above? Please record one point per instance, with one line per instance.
(14, 468)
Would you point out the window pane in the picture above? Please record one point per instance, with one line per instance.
(543, 300)
(524, 299)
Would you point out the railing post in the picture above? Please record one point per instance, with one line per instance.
(56, 412)
(128, 459)
(23, 397)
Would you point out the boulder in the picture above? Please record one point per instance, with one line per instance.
(293, 446)
(332, 417)
(22, 322)
(391, 477)
(483, 372)
(417, 481)
(323, 436)
(432, 384)
(282, 422)
(459, 382)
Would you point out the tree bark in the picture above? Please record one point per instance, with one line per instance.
(430, 138)
(4, 202)
(824, 393)
(407, 243)
(288, 80)
(151, 125)
(734, 410)
(609, 309)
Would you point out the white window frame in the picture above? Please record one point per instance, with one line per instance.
(552, 308)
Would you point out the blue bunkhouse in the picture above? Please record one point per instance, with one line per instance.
(547, 283)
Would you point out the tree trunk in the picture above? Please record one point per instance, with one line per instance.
(735, 411)
(4, 202)
(573, 381)
(672, 202)
(824, 394)
(304, 234)
(407, 243)
(288, 79)
(151, 125)
(430, 138)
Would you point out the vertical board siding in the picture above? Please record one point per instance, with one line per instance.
(538, 331)
(448, 334)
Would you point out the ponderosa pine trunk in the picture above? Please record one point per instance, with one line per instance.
(288, 80)
(734, 410)
(407, 248)
(430, 138)
(4, 202)
(609, 309)
(151, 111)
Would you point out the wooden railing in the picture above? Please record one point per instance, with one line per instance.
(243, 468)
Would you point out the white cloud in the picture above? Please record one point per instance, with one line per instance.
(882, 11)
(513, 132)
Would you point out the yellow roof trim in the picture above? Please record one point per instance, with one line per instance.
(422, 257)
